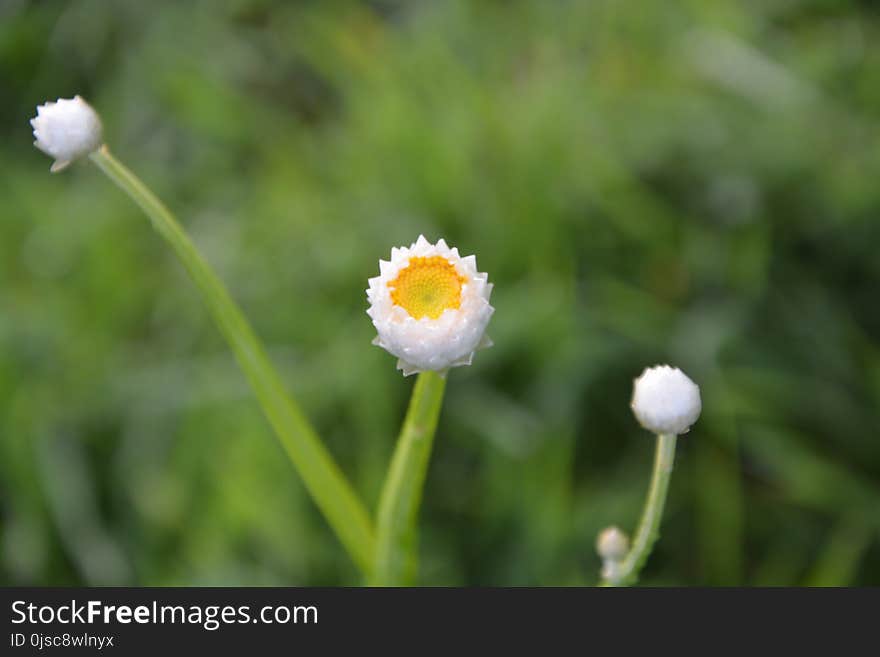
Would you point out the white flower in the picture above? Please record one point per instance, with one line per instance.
(612, 544)
(665, 400)
(430, 307)
(66, 130)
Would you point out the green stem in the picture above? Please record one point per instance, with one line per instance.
(323, 479)
(649, 526)
(399, 504)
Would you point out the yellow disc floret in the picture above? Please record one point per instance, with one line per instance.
(427, 286)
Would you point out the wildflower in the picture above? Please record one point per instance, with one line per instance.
(66, 130)
(665, 400)
(430, 307)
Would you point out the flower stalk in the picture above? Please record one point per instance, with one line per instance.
(626, 571)
(323, 479)
(396, 560)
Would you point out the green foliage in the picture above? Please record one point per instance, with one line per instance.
(644, 182)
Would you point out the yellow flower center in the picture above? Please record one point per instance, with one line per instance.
(427, 286)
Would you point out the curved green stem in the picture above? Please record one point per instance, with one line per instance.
(627, 572)
(402, 494)
(323, 479)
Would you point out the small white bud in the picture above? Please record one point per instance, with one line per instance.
(66, 130)
(612, 544)
(665, 400)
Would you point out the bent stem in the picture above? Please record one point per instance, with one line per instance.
(648, 531)
(323, 479)
(402, 493)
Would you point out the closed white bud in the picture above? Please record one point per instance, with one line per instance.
(612, 544)
(665, 400)
(66, 130)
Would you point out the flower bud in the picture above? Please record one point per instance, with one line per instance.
(665, 400)
(66, 130)
(612, 544)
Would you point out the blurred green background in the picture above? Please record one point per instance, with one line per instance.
(686, 182)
